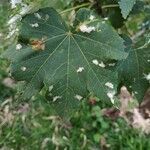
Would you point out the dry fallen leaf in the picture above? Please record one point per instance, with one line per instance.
(112, 113)
(140, 122)
(145, 105)
(136, 116)
(8, 82)
(125, 97)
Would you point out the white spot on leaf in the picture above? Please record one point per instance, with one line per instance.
(50, 88)
(23, 68)
(34, 25)
(106, 18)
(102, 64)
(18, 46)
(136, 92)
(111, 95)
(147, 76)
(78, 97)
(80, 69)
(46, 17)
(56, 98)
(95, 61)
(92, 17)
(111, 64)
(84, 28)
(110, 85)
(37, 15)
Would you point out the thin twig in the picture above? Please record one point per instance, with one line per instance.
(110, 6)
(87, 4)
(76, 7)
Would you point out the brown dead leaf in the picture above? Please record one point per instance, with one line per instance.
(8, 82)
(92, 101)
(111, 113)
(145, 105)
(125, 97)
(136, 116)
(140, 122)
(38, 44)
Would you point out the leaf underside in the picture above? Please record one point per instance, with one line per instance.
(64, 52)
(126, 7)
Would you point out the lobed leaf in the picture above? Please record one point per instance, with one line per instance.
(61, 59)
(135, 67)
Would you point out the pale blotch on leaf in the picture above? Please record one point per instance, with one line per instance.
(46, 17)
(78, 97)
(23, 68)
(147, 76)
(18, 46)
(37, 15)
(95, 62)
(148, 60)
(111, 64)
(34, 25)
(102, 65)
(92, 17)
(111, 95)
(56, 98)
(80, 69)
(50, 88)
(84, 28)
(109, 84)
(98, 27)
(106, 18)
(135, 92)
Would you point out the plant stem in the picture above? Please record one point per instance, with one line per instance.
(110, 6)
(87, 4)
(76, 7)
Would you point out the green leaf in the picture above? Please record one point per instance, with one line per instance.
(115, 17)
(126, 6)
(135, 67)
(63, 60)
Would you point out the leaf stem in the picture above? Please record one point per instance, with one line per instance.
(76, 7)
(110, 6)
(87, 4)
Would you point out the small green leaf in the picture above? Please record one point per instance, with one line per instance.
(126, 6)
(70, 63)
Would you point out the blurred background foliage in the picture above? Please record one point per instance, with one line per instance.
(30, 125)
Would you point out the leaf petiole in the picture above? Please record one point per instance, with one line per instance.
(87, 4)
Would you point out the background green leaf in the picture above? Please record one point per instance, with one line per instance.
(135, 67)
